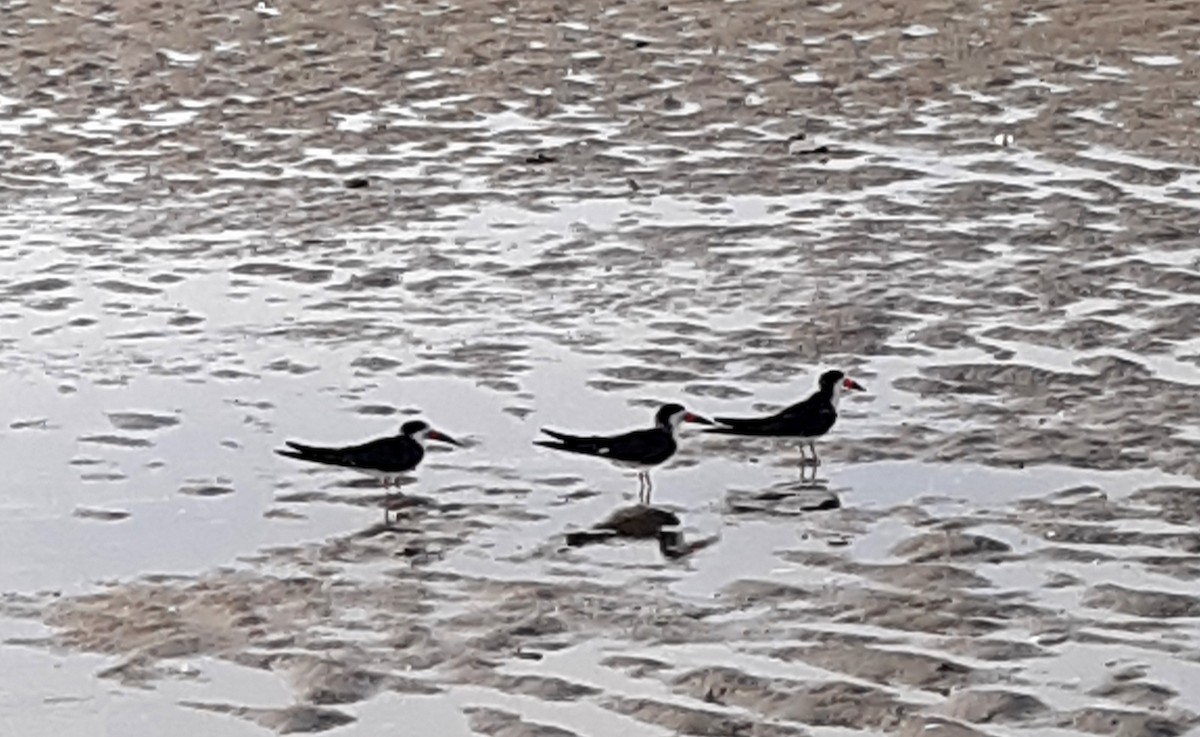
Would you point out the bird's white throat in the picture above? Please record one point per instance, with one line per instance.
(838, 388)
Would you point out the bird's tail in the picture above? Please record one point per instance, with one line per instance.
(569, 443)
(562, 436)
(736, 426)
(305, 452)
(563, 441)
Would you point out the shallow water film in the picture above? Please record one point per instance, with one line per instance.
(225, 226)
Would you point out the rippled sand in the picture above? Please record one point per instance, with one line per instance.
(226, 226)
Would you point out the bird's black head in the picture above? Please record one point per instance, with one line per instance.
(420, 431)
(834, 382)
(666, 414)
(830, 379)
(414, 427)
(671, 415)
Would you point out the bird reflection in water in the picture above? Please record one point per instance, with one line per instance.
(642, 522)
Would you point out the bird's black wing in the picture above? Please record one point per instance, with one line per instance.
(806, 418)
(392, 455)
(767, 425)
(639, 446)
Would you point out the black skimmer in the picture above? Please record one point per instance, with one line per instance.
(808, 419)
(383, 458)
(639, 449)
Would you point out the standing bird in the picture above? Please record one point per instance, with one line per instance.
(808, 419)
(640, 449)
(384, 458)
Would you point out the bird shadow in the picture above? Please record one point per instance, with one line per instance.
(373, 496)
(403, 513)
(639, 522)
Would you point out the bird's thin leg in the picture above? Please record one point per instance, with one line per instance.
(816, 458)
(388, 483)
(803, 459)
(649, 487)
(641, 486)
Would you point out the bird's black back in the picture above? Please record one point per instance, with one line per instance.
(650, 447)
(810, 417)
(395, 454)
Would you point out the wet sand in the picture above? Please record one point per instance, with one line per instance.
(226, 226)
